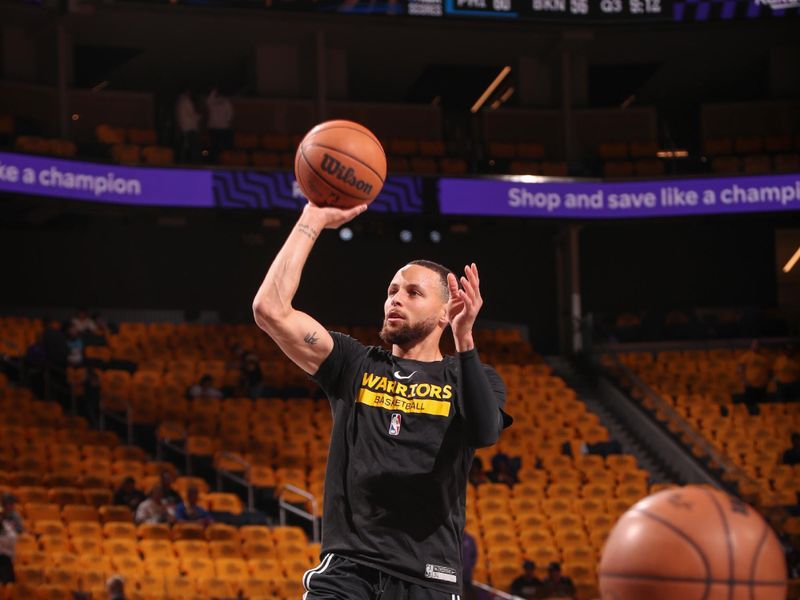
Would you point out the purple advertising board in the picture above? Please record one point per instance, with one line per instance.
(44, 176)
(197, 188)
(530, 196)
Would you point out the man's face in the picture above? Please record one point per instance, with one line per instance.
(415, 305)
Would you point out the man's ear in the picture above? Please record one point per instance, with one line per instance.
(443, 321)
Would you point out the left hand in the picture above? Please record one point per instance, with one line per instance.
(464, 305)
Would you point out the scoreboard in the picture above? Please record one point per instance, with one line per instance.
(609, 11)
(543, 11)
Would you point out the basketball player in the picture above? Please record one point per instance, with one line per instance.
(406, 423)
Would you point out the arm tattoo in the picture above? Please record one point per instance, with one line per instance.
(311, 338)
(307, 231)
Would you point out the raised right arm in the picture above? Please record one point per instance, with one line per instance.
(300, 336)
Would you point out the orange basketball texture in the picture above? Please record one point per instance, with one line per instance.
(692, 543)
(340, 163)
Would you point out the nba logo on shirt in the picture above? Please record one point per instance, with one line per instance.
(394, 426)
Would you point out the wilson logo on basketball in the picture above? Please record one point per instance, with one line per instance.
(345, 174)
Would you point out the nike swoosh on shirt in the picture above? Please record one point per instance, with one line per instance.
(398, 376)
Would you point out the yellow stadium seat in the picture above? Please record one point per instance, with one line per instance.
(80, 512)
(53, 592)
(87, 545)
(532, 520)
(128, 565)
(288, 588)
(112, 513)
(65, 495)
(98, 497)
(232, 569)
(152, 548)
(54, 543)
(571, 537)
(31, 494)
(214, 587)
(566, 520)
(535, 537)
(197, 566)
(120, 530)
(36, 511)
(224, 502)
(30, 575)
(225, 549)
(63, 577)
(64, 560)
(93, 580)
(181, 587)
(542, 555)
(259, 549)
(148, 584)
(115, 547)
(579, 554)
(161, 566)
(265, 568)
(253, 586)
(221, 532)
(154, 531)
(496, 537)
(503, 575)
(54, 528)
(255, 533)
(32, 558)
(191, 548)
(598, 537)
(563, 489)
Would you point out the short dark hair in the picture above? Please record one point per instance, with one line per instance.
(440, 270)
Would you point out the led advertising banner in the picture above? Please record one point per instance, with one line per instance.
(197, 188)
(252, 189)
(44, 176)
(537, 197)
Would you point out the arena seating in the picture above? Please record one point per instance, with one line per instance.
(63, 474)
(699, 385)
(561, 510)
(753, 155)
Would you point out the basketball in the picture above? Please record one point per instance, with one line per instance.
(692, 543)
(340, 163)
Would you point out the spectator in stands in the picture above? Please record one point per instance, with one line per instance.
(188, 123)
(171, 495)
(557, 585)
(477, 475)
(220, 118)
(74, 346)
(55, 345)
(205, 390)
(787, 374)
(10, 528)
(99, 335)
(115, 587)
(154, 509)
(236, 358)
(755, 375)
(792, 455)
(502, 470)
(469, 556)
(83, 322)
(190, 511)
(527, 585)
(128, 495)
(251, 378)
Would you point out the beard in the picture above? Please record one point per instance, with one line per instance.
(408, 334)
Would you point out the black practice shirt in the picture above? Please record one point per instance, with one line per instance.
(399, 458)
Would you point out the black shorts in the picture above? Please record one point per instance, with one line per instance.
(338, 578)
